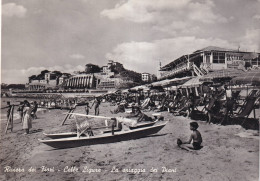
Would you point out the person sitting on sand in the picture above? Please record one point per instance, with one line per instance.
(195, 137)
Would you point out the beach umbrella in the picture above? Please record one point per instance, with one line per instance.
(251, 77)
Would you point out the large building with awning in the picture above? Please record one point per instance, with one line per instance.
(209, 59)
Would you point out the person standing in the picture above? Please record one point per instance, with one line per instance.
(8, 112)
(87, 108)
(34, 110)
(20, 110)
(27, 119)
(96, 104)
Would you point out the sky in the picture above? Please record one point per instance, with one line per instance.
(65, 35)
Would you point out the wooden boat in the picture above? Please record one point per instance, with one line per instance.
(103, 138)
(73, 134)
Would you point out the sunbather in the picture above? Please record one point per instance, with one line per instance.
(139, 115)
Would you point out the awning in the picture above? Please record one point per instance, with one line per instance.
(171, 82)
(159, 83)
(225, 73)
(173, 88)
(125, 91)
(139, 88)
(176, 81)
(252, 77)
(194, 82)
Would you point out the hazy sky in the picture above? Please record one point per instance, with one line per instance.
(65, 35)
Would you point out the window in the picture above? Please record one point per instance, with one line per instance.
(218, 57)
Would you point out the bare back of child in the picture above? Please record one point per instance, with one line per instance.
(194, 143)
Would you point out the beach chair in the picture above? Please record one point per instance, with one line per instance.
(236, 98)
(182, 107)
(196, 103)
(246, 109)
(209, 105)
(145, 104)
(253, 93)
(212, 109)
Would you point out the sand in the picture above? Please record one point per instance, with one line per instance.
(228, 153)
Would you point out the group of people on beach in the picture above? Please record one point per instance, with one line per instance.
(27, 112)
(96, 103)
(178, 102)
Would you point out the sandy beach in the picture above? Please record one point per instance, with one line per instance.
(229, 153)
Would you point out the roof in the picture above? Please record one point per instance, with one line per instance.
(250, 56)
(214, 48)
(196, 54)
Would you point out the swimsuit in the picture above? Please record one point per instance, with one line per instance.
(196, 145)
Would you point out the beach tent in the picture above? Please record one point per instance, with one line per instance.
(250, 77)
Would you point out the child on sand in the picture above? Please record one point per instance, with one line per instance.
(195, 137)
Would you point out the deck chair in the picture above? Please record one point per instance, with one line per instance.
(212, 109)
(210, 104)
(253, 93)
(247, 108)
(235, 96)
(196, 103)
(82, 127)
(145, 104)
(182, 106)
(163, 106)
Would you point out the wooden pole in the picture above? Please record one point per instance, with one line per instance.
(10, 120)
(66, 117)
(73, 109)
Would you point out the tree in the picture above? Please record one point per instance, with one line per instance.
(32, 78)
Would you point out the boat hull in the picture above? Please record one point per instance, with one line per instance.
(103, 139)
(60, 135)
